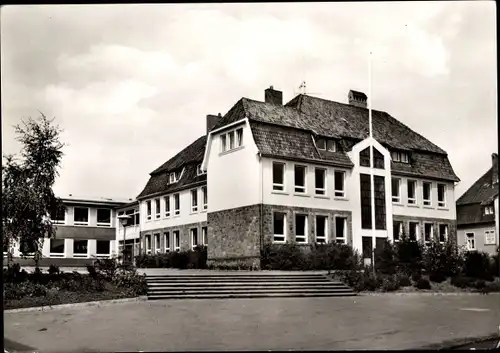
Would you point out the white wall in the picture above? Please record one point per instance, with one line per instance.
(233, 177)
(479, 237)
(68, 248)
(70, 215)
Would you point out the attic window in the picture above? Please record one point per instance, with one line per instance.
(398, 156)
(172, 178)
(489, 210)
(198, 170)
(332, 146)
(321, 144)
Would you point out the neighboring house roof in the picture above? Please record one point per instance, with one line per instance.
(130, 204)
(70, 199)
(472, 213)
(187, 159)
(482, 191)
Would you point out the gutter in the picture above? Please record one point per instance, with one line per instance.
(181, 188)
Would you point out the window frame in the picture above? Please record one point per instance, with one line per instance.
(103, 254)
(149, 243)
(486, 234)
(411, 200)
(157, 243)
(177, 239)
(157, 208)
(277, 186)
(441, 203)
(417, 230)
(172, 179)
(239, 137)
(205, 198)
(102, 224)
(300, 189)
(427, 202)
(177, 204)
(192, 233)
(325, 238)
(284, 235)
(446, 234)
(204, 235)
(80, 255)
(305, 236)
(166, 241)
(194, 200)
(321, 191)
(56, 254)
(400, 231)
(339, 193)
(396, 199)
(81, 223)
(473, 241)
(223, 143)
(60, 221)
(431, 236)
(343, 239)
(231, 139)
(149, 210)
(166, 201)
(319, 141)
(330, 143)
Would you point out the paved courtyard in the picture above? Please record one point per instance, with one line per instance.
(363, 322)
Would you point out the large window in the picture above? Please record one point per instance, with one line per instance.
(231, 139)
(28, 246)
(321, 229)
(103, 247)
(443, 233)
(158, 210)
(194, 200)
(104, 217)
(301, 228)
(471, 241)
(157, 243)
(279, 234)
(339, 183)
(148, 209)
(380, 214)
(340, 230)
(412, 192)
(177, 204)
(427, 187)
(396, 190)
(204, 235)
(167, 206)
(166, 241)
(205, 197)
(58, 217)
(428, 233)
(80, 248)
(177, 240)
(278, 176)
(441, 195)
(413, 228)
(148, 243)
(397, 230)
(81, 216)
(194, 237)
(56, 247)
(300, 178)
(320, 181)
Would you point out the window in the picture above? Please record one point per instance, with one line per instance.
(427, 187)
(148, 207)
(321, 144)
(412, 199)
(198, 170)
(279, 234)
(58, 217)
(177, 240)
(205, 197)
(300, 179)
(104, 217)
(413, 231)
(158, 212)
(340, 229)
(148, 244)
(157, 243)
(194, 200)
(488, 210)
(378, 158)
(428, 233)
(167, 206)
(380, 216)
(223, 143)
(443, 233)
(204, 235)
(278, 176)
(103, 247)
(396, 190)
(166, 241)
(56, 247)
(331, 146)
(366, 203)
(121, 213)
(194, 237)
(489, 237)
(28, 246)
(471, 242)
(80, 248)
(177, 205)
(134, 217)
(81, 216)
(321, 229)
(239, 137)
(172, 179)
(397, 230)
(231, 140)
(300, 228)
(339, 183)
(320, 180)
(441, 195)
(400, 157)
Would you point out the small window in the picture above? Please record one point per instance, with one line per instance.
(320, 181)
(223, 146)
(198, 170)
(300, 179)
(194, 238)
(396, 156)
(300, 228)
(488, 210)
(239, 137)
(396, 192)
(167, 206)
(177, 205)
(205, 197)
(59, 216)
(204, 235)
(148, 244)
(412, 200)
(157, 243)
(80, 248)
(428, 233)
(427, 187)
(166, 241)
(441, 195)
(321, 144)
(331, 146)
(104, 217)
(413, 231)
(404, 157)
(194, 200)
(56, 247)
(471, 241)
(148, 211)
(158, 211)
(279, 234)
(278, 176)
(489, 237)
(397, 230)
(321, 229)
(231, 140)
(443, 233)
(172, 178)
(340, 230)
(81, 216)
(339, 183)
(103, 247)
(177, 240)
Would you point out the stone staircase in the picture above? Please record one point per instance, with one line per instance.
(243, 285)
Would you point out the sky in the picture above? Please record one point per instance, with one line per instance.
(131, 84)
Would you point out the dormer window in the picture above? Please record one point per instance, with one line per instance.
(172, 178)
(331, 146)
(199, 171)
(321, 144)
(231, 140)
(326, 145)
(398, 156)
(488, 210)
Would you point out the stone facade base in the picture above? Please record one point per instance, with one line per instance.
(47, 261)
(250, 262)
(452, 226)
(186, 241)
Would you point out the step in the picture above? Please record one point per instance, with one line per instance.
(233, 276)
(251, 295)
(223, 280)
(242, 288)
(244, 285)
(254, 291)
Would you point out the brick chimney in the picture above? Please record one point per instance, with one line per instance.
(211, 121)
(274, 97)
(357, 98)
(494, 174)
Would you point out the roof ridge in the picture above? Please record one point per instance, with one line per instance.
(471, 187)
(163, 167)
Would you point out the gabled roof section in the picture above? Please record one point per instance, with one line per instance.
(191, 154)
(358, 94)
(482, 191)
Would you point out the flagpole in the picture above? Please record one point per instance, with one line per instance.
(372, 187)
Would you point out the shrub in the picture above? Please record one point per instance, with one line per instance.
(437, 277)
(53, 270)
(131, 281)
(477, 265)
(386, 260)
(390, 283)
(415, 276)
(25, 289)
(14, 274)
(423, 283)
(494, 262)
(462, 281)
(286, 256)
(409, 254)
(492, 287)
(106, 267)
(371, 281)
(403, 280)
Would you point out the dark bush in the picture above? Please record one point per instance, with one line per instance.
(462, 281)
(106, 268)
(386, 259)
(53, 270)
(282, 257)
(403, 280)
(409, 254)
(390, 283)
(478, 265)
(423, 283)
(14, 274)
(196, 259)
(416, 276)
(131, 281)
(495, 265)
(371, 281)
(437, 277)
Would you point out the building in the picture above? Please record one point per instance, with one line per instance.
(477, 213)
(299, 172)
(84, 232)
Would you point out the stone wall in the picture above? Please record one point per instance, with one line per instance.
(184, 234)
(452, 226)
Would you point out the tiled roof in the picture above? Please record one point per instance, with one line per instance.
(481, 191)
(430, 165)
(192, 153)
(472, 213)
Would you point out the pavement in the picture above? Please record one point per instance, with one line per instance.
(362, 322)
